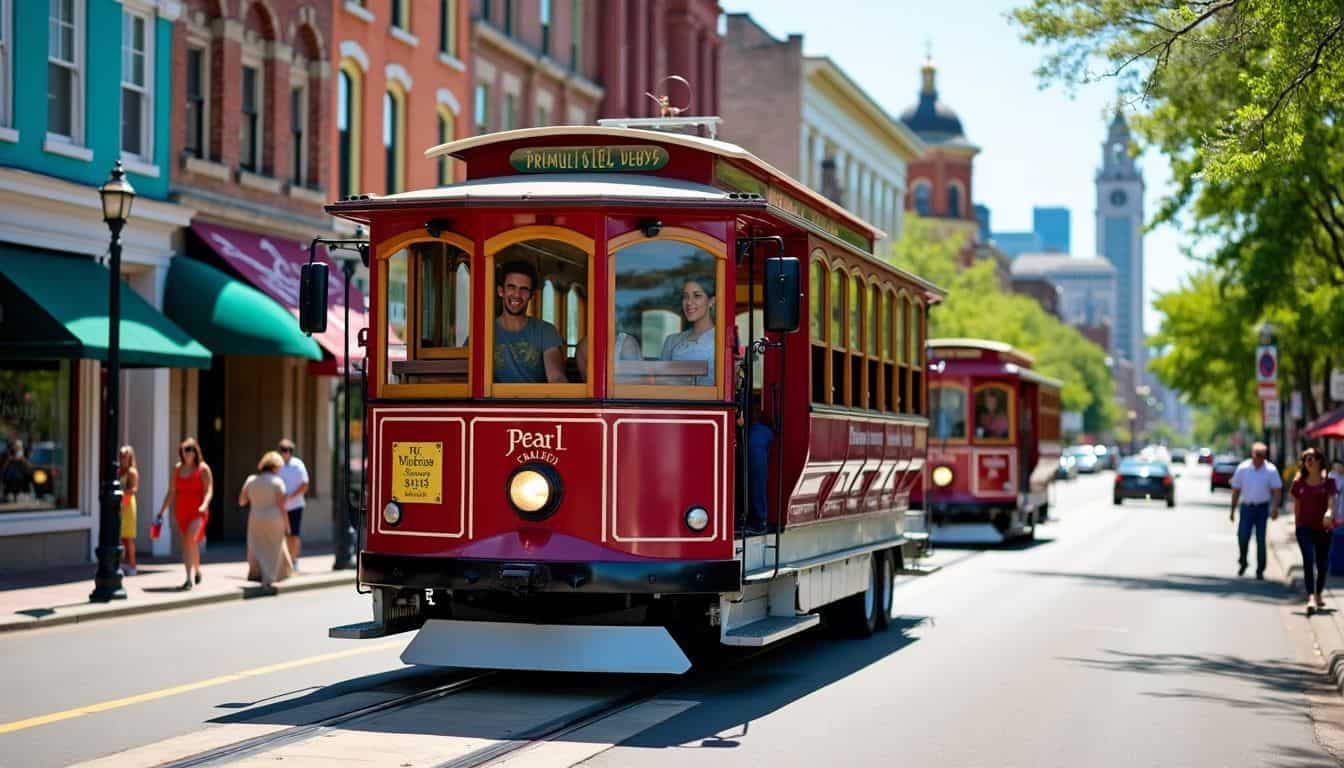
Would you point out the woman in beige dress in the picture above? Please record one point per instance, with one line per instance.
(267, 524)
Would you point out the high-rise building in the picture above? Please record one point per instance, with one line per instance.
(1052, 224)
(1120, 237)
(982, 221)
(1015, 244)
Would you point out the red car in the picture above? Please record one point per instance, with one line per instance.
(1205, 456)
(1221, 477)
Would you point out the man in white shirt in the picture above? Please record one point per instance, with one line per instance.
(295, 475)
(1256, 485)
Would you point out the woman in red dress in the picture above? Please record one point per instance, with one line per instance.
(1314, 510)
(189, 495)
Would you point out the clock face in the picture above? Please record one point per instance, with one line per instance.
(1118, 197)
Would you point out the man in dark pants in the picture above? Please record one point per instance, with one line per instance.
(1256, 485)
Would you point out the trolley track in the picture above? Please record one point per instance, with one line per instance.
(550, 729)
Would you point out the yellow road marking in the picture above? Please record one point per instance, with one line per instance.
(104, 706)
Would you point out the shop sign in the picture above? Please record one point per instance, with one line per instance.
(634, 157)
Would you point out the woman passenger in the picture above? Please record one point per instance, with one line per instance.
(267, 523)
(1314, 511)
(697, 341)
(189, 495)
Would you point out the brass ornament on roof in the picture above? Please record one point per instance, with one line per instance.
(664, 102)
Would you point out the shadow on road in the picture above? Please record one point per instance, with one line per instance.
(1243, 587)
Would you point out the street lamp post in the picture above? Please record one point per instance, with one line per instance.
(117, 196)
(346, 544)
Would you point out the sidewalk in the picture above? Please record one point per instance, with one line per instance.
(31, 599)
(1326, 627)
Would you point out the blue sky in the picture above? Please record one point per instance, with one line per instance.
(1038, 146)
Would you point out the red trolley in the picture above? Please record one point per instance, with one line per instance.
(994, 443)
(592, 511)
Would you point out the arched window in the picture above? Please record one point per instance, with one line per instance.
(394, 127)
(306, 94)
(838, 309)
(349, 118)
(817, 301)
(855, 314)
(446, 134)
(954, 202)
(922, 198)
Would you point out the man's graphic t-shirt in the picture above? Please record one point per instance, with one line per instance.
(518, 354)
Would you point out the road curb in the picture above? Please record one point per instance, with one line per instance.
(126, 608)
(1327, 630)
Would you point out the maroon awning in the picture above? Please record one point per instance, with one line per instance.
(272, 264)
(1329, 425)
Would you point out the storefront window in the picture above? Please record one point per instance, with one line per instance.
(949, 412)
(666, 329)
(34, 436)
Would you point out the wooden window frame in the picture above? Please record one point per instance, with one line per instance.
(382, 253)
(839, 344)
(493, 246)
(1009, 393)
(967, 403)
(714, 247)
(818, 256)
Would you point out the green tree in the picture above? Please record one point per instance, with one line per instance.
(978, 307)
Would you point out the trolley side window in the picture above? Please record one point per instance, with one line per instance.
(428, 313)
(539, 291)
(949, 412)
(667, 338)
(994, 421)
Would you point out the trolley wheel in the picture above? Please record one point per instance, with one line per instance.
(856, 615)
(886, 575)
(1117, 501)
(1171, 501)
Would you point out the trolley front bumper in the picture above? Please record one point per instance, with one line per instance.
(626, 577)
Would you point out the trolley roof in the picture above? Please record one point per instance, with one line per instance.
(985, 357)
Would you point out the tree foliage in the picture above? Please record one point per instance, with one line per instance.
(1244, 98)
(977, 307)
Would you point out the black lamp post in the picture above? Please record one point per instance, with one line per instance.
(118, 195)
(346, 535)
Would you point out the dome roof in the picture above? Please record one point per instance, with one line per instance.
(931, 119)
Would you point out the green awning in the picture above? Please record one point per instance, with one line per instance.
(54, 306)
(229, 316)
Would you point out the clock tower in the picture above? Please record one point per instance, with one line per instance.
(1120, 238)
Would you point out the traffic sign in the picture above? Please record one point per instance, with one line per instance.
(1295, 405)
(1270, 413)
(1267, 391)
(1267, 364)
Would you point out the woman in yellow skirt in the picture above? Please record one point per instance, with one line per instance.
(129, 477)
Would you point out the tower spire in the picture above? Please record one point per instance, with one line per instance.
(929, 70)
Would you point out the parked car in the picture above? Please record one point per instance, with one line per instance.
(1205, 456)
(1178, 456)
(1084, 458)
(1068, 468)
(1144, 479)
(1107, 457)
(1221, 476)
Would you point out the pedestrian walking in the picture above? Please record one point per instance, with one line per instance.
(189, 496)
(129, 477)
(1314, 497)
(1256, 493)
(295, 475)
(267, 523)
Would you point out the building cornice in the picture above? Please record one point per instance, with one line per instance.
(826, 72)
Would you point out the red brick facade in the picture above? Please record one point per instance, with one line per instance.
(424, 64)
(645, 42)
(942, 170)
(286, 42)
(763, 99)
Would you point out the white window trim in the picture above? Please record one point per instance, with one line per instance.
(204, 46)
(9, 134)
(7, 72)
(358, 11)
(258, 62)
(146, 155)
(60, 145)
(137, 165)
(76, 137)
(404, 36)
(450, 61)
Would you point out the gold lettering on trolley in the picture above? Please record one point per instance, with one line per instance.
(588, 159)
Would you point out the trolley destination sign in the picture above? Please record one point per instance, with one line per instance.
(618, 158)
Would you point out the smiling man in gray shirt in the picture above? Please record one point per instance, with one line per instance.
(527, 350)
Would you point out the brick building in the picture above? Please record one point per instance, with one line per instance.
(805, 116)
(252, 139)
(940, 181)
(400, 86)
(553, 62)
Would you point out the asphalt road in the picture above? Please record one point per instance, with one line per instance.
(1122, 637)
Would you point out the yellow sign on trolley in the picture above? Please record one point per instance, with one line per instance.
(417, 472)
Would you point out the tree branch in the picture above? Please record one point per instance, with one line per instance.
(1302, 76)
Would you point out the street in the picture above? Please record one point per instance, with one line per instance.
(1121, 637)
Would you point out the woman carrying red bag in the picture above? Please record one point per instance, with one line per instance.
(1315, 513)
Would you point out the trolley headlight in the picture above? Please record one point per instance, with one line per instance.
(392, 513)
(39, 477)
(942, 476)
(697, 518)
(534, 490)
